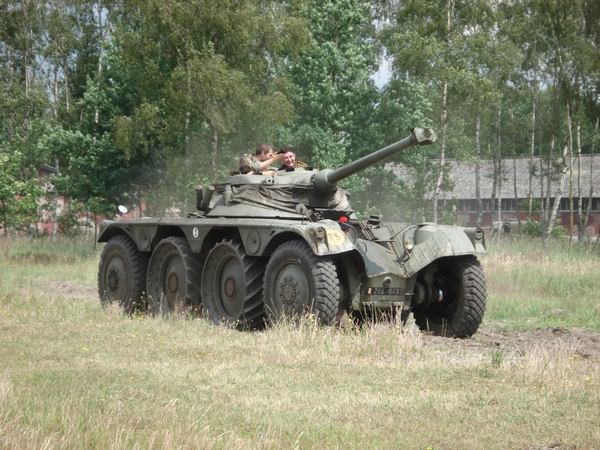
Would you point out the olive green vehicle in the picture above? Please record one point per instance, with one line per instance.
(265, 248)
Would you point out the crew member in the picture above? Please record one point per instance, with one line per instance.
(289, 159)
(260, 162)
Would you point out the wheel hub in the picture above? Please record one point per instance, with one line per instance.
(173, 282)
(288, 291)
(113, 280)
(229, 288)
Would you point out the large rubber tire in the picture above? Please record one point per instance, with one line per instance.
(122, 274)
(298, 283)
(173, 281)
(232, 286)
(460, 313)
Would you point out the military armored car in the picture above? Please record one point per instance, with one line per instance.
(263, 248)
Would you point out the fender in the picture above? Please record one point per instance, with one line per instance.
(432, 241)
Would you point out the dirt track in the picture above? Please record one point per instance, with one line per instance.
(574, 341)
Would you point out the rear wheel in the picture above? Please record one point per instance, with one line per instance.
(232, 286)
(122, 274)
(173, 277)
(459, 314)
(298, 282)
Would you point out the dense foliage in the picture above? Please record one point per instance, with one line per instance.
(140, 100)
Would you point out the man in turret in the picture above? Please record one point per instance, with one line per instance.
(289, 159)
(260, 163)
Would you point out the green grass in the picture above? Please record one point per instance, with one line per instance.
(531, 287)
(74, 375)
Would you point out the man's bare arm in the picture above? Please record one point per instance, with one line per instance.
(271, 161)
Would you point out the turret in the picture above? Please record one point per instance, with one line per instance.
(326, 179)
(278, 196)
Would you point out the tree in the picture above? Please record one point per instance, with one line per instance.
(444, 45)
(18, 197)
(332, 90)
(559, 61)
(206, 85)
(333, 93)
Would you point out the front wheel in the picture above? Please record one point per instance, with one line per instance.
(122, 274)
(298, 282)
(460, 312)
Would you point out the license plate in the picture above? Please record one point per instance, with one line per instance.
(384, 291)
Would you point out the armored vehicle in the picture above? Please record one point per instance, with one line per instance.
(264, 248)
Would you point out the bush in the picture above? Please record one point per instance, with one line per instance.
(68, 222)
(558, 231)
(532, 228)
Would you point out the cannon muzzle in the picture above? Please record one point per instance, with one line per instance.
(326, 179)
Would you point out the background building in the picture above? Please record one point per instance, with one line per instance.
(512, 190)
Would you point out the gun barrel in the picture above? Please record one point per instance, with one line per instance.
(329, 178)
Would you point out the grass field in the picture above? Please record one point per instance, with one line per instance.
(74, 375)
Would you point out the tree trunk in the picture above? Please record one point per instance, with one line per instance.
(570, 127)
(54, 214)
(95, 230)
(494, 188)
(444, 119)
(478, 171)
(558, 194)
(100, 55)
(499, 149)
(27, 58)
(214, 148)
(86, 235)
(542, 177)
(440, 178)
(65, 70)
(580, 223)
(591, 193)
(55, 100)
(188, 111)
(516, 191)
(63, 52)
(549, 183)
(531, 174)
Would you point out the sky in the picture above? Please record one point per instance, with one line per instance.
(382, 76)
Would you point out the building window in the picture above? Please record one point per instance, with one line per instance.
(467, 205)
(595, 204)
(508, 204)
(565, 204)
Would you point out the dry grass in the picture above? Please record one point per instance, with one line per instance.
(76, 376)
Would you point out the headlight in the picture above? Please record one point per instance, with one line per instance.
(321, 234)
(478, 234)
